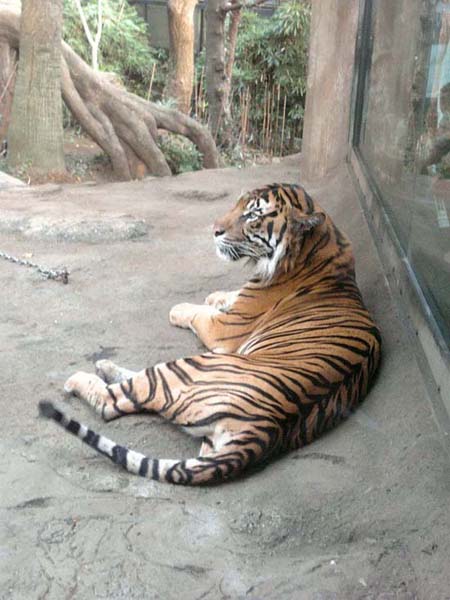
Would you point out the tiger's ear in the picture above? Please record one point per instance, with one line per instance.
(302, 222)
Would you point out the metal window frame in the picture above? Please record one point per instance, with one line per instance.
(432, 351)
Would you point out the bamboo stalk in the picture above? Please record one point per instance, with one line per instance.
(264, 116)
(272, 99)
(277, 121)
(242, 104)
(265, 120)
(200, 95)
(122, 8)
(196, 97)
(269, 118)
(245, 115)
(282, 126)
(248, 113)
(241, 112)
(150, 86)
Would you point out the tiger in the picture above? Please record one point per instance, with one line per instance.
(288, 356)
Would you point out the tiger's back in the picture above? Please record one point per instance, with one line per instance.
(318, 336)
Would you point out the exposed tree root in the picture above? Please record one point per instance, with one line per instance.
(122, 124)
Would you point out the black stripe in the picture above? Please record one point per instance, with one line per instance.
(143, 469)
(282, 232)
(119, 455)
(91, 438)
(112, 394)
(178, 371)
(73, 427)
(309, 202)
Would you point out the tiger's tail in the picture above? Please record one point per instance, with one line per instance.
(224, 464)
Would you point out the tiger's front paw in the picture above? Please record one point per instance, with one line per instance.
(223, 301)
(181, 315)
(217, 299)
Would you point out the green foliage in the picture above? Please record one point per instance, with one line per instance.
(443, 169)
(275, 50)
(180, 153)
(124, 46)
(272, 56)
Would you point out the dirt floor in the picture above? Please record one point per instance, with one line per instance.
(361, 514)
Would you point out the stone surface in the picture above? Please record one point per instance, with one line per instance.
(8, 182)
(360, 514)
(73, 229)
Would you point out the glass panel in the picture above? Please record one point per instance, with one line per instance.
(429, 244)
(405, 134)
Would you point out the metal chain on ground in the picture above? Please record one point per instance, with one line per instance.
(56, 274)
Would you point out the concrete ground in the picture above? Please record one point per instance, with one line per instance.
(362, 513)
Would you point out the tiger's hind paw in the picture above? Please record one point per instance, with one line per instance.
(112, 373)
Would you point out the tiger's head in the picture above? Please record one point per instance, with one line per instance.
(268, 226)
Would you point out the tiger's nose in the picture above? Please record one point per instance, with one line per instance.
(218, 230)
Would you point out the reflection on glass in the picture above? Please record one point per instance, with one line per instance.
(429, 247)
(405, 135)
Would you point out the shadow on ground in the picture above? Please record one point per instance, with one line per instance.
(360, 514)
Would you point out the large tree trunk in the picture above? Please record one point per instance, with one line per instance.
(123, 125)
(35, 136)
(218, 75)
(215, 63)
(181, 36)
